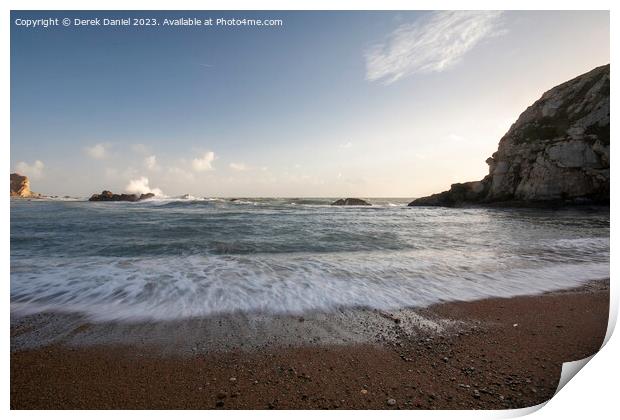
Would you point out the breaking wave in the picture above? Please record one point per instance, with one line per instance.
(188, 257)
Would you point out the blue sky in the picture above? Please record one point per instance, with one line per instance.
(329, 104)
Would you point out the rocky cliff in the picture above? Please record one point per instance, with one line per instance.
(556, 152)
(20, 187)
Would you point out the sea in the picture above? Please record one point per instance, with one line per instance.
(174, 258)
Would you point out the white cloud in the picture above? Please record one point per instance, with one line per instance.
(151, 163)
(203, 163)
(33, 171)
(98, 151)
(431, 44)
(239, 167)
(346, 145)
(141, 186)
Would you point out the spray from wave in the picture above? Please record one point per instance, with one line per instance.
(141, 186)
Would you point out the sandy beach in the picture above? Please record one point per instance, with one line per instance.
(487, 354)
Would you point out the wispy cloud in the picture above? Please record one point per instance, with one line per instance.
(238, 166)
(431, 44)
(346, 145)
(98, 151)
(204, 162)
(33, 171)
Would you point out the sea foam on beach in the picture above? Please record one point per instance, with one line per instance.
(174, 258)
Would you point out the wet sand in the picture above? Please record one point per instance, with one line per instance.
(493, 353)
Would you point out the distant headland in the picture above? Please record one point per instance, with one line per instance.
(20, 187)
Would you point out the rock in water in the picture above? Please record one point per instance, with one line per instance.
(556, 153)
(351, 202)
(109, 196)
(20, 187)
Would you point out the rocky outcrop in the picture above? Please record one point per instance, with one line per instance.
(351, 202)
(109, 196)
(20, 187)
(557, 152)
(458, 193)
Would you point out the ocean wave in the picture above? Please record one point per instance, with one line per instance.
(172, 288)
(178, 257)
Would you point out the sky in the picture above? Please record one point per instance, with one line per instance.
(328, 104)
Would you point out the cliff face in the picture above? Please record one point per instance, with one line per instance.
(556, 152)
(20, 187)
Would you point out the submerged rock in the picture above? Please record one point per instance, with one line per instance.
(557, 152)
(351, 202)
(20, 187)
(109, 196)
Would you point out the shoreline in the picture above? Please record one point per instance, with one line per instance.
(248, 331)
(456, 355)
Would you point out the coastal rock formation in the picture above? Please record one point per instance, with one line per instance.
(556, 152)
(109, 196)
(467, 192)
(20, 187)
(351, 202)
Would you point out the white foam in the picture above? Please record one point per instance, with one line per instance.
(176, 287)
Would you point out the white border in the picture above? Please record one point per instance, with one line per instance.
(592, 394)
